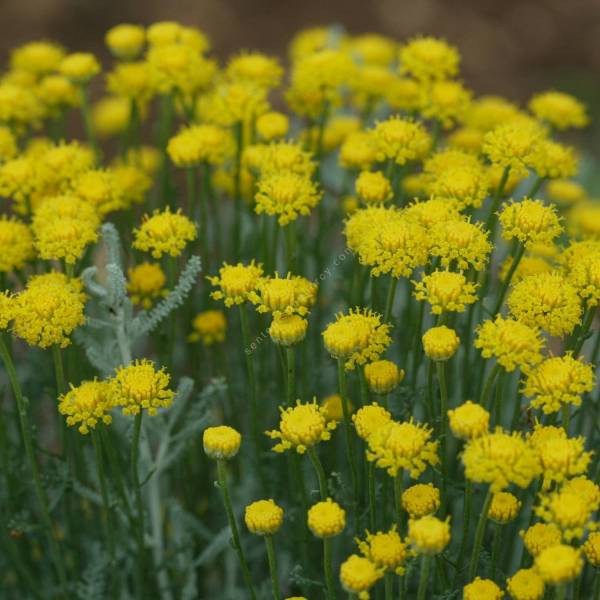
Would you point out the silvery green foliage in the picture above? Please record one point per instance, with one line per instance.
(94, 579)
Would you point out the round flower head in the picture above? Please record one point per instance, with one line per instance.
(591, 549)
(8, 144)
(445, 101)
(500, 459)
(559, 381)
(581, 486)
(263, 517)
(235, 282)
(221, 442)
(585, 277)
(196, 144)
(554, 160)
(401, 140)
(100, 189)
(48, 310)
(440, 343)
(7, 309)
(402, 446)
(337, 129)
(546, 301)
(584, 220)
(427, 213)
(288, 330)
(428, 58)
(86, 404)
(359, 150)
(445, 291)
(559, 564)
(255, 67)
(512, 343)
(16, 244)
(504, 507)
(110, 116)
(125, 41)
(146, 284)
(358, 575)
(334, 410)
(283, 295)
(357, 337)
(79, 66)
(369, 419)
(558, 109)
(385, 549)
(272, 126)
(38, 57)
(428, 535)
(209, 327)
(482, 589)
(525, 584)
(565, 192)
(16, 181)
(539, 537)
(139, 386)
(373, 187)
(420, 500)
(282, 157)
(466, 183)
(461, 244)
(164, 233)
(301, 427)
(133, 183)
(530, 222)
(383, 376)
(358, 229)
(326, 519)
(529, 265)
(570, 512)
(469, 420)
(562, 458)
(132, 82)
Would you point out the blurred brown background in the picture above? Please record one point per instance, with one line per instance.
(513, 47)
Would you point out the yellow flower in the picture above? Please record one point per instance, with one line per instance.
(383, 376)
(369, 419)
(209, 326)
(384, 549)
(585, 276)
(429, 58)
(280, 157)
(373, 49)
(272, 126)
(428, 535)
(562, 458)
(482, 589)
(539, 537)
(583, 487)
(200, 143)
(19, 106)
(132, 81)
(7, 309)
(16, 244)
(504, 507)
(301, 427)
(559, 109)
(133, 183)
(263, 517)
(469, 420)
(591, 549)
(529, 265)
(547, 301)
(445, 291)
(584, 220)
(358, 575)
(16, 182)
(569, 512)
(460, 243)
(146, 284)
(110, 116)
(487, 112)
(554, 160)
(164, 233)
(8, 144)
(500, 459)
(235, 282)
(357, 337)
(559, 381)
(565, 191)
(79, 66)
(48, 310)
(86, 404)
(359, 150)
(288, 330)
(139, 386)
(326, 519)
(446, 101)
(428, 213)
(125, 41)
(373, 187)
(440, 343)
(221, 442)
(530, 222)
(466, 184)
(283, 295)
(525, 584)
(559, 564)
(512, 343)
(334, 411)
(337, 130)
(100, 189)
(467, 139)
(38, 57)
(401, 140)
(420, 500)
(264, 71)
(402, 446)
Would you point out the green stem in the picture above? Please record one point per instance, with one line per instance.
(430, 404)
(273, 567)
(566, 417)
(291, 375)
(106, 520)
(59, 371)
(424, 577)
(508, 279)
(371, 485)
(328, 568)
(417, 343)
(491, 219)
(580, 339)
(535, 188)
(290, 247)
(389, 303)
(465, 529)
(499, 399)
(362, 382)
(496, 548)
(139, 506)
(561, 591)
(441, 374)
(389, 586)
(237, 193)
(488, 384)
(314, 459)
(88, 123)
(597, 585)
(479, 535)
(398, 498)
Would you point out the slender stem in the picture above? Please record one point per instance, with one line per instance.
(398, 498)
(290, 246)
(479, 535)
(597, 585)
(237, 223)
(499, 398)
(580, 340)
(465, 529)
(316, 462)
(389, 586)
(362, 382)
(535, 188)
(273, 567)
(496, 548)
(430, 403)
(389, 303)
(491, 219)
(139, 507)
(424, 577)
(441, 374)
(59, 371)
(561, 591)
(371, 485)
(291, 375)
(508, 279)
(417, 343)
(222, 478)
(106, 520)
(328, 568)
(566, 417)
(88, 123)
(488, 384)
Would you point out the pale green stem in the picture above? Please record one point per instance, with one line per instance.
(479, 532)
(314, 459)
(328, 567)
(139, 506)
(513, 267)
(423, 578)
(273, 567)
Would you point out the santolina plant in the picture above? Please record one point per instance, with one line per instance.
(342, 347)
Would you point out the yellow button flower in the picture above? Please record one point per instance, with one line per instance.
(504, 507)
(370, 418)
(428, 535)
(559, 564)
(79, 66)
(469, 420)
(428, 58)
(445, 291)
(482, 589)
(539, 537)
(221, 442)
(288, 330)
(358, 575)
(583, 487)
(326, 519)
(461, 244)
(385, 549)
(38, 57)
(125, 41)
(440, 343)
(568, 511)
(401, 140)
(284, 295)
(526, 584)
(334, 411)
(86, 404)
(272, 126)
(264, 71)
(591, 549)
(16, 244)
(420, 500)
(7, 309)
(373, 187)
(446, 101)
(146, 284)
(263, 517)
(196, 144)
(383, 376)
(209, 327)
(235, 282)
(530, 222)
(559, 109)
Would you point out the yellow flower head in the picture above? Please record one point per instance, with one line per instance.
(357, 337)
(125, 41)
(38, 58)
(284, 295)
(383, 376)
(440, 343)
(16, 181)
(487, 112)
(530, 222)
(337, 130)
(504, 507)
(263, 517)
(402, 446)
(272, 126)
(584, 220)
(384, 549)
(559, 564)
(467, 139)
(445, 291)
(568, 511)
(581, 486)
(132, 82)
(8, 144)
(428, 535)
(591, 549)
(562, 458)
(48, 310)
(358, 227)
(529, 265)
(420, 500)
(79, 66)
(512, 343)
(86, 404)
(140, 386)
(280, 157)
(334, 410)
(428, 213)
(221, 442)
(133, 183)
(235, 282)
(373, 49)
(7, 309)
(19, 106)
(445, 101)
(373, 187)
(209, 326)
(554, 160)
(146, 284)
(164, 233)
(100, 189)
(110, 116)
(547, 301)
(585, 276)
(460, 243)
(559, 381)
(200, 143)
(16, 244)
(525, 584)
(358, 575)
(500, 459)
(465, 184)
(539, 537)
(558, 109)
(469, 420)
(359, 150)
(565, 191)
(369, 419)
(264, 71)
(482, 589)
(326, 519)
(288, 330)
(428, 58)
(401, 140)
(301, 427)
